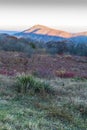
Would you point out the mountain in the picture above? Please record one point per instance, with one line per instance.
(40, 29)
(7, 32)
(44, 30)
(43, 34)
(81, 39)
(54, 41)
(80, 34)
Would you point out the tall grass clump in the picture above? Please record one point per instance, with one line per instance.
(25, 83)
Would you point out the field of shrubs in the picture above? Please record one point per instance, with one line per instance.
(42, 91)
(43, 65)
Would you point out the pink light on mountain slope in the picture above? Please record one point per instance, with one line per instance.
(40, 29)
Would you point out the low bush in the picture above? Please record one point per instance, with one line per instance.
(24, 83)
(64, 74)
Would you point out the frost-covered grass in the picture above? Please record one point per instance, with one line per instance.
(65, 109)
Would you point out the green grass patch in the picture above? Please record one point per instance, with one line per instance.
(27, 110)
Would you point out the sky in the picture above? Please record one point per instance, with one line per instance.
(67, 15)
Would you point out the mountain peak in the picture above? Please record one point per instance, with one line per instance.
(44, 30)
(39, 26)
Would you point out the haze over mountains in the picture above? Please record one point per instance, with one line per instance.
(7, 32)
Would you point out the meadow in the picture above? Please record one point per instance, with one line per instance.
(42, 91)
(47, 104)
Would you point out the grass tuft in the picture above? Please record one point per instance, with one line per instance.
(25, 83)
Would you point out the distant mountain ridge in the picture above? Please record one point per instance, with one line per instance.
(40, 33)
(40, 29)
(54, 41)
(44, 30)
(7, 32)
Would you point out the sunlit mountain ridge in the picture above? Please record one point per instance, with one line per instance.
(44, 30)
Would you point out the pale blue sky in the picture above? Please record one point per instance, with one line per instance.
(63, 15)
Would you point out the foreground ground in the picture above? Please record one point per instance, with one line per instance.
(66, 109)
